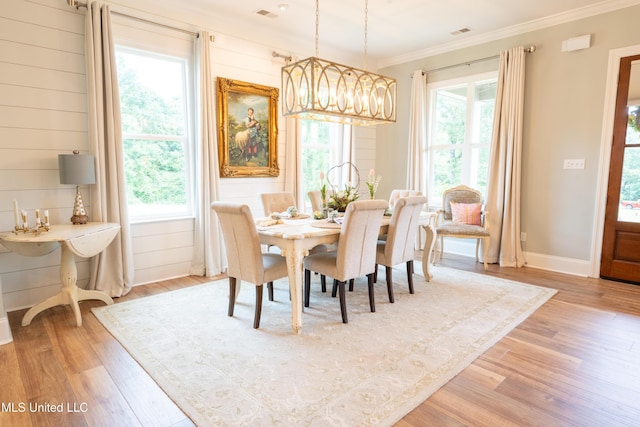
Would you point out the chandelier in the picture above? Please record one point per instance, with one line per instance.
(318, 89)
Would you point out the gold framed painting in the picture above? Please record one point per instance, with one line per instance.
(247, 129)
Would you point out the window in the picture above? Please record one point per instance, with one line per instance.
(154, 99)
(322, 147)
(460, 126)
(630, 183)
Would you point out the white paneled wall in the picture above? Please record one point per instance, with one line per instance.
(43, 113)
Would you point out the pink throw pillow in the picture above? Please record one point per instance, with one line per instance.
(466, 213)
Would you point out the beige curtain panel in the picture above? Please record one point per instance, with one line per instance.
(503, 194)
(111, 270)
(209, 258)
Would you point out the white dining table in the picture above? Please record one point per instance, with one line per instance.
(296, 237)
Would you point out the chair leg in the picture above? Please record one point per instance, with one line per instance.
(388, 271)
(307, 286)
(256, 317)
(270, 290)
(485, 251)
(477, 246)
(351, 282)
(323, 282)
(343, 302)
(372, 301)
(375, 274)
(232, 295)
(410, 275)
(441, 247)
(334, 291)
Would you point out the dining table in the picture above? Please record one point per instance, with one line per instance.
(297, 236)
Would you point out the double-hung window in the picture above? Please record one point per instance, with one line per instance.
(324, 145)
(460, 124)
(155, 99)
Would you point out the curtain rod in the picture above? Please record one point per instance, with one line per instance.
(78, 4)
(529, 49)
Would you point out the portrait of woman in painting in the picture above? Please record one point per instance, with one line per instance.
(248, 122)
(247, 129)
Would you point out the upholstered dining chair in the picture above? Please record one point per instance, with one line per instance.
(316, 199)
(394, 197)
(399, 244)
(276, 202)
(397, 194)
(246, 261)
(462, 217)
(356, 253)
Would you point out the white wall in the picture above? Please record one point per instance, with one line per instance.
(43, 113)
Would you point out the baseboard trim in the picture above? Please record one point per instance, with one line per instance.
(575, 267)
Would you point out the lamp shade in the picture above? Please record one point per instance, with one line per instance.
(77, 169)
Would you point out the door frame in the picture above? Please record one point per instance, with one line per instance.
(615, 55)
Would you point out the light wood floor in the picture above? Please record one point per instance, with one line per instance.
(574, 362)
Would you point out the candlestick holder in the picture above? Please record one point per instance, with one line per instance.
(35, 230)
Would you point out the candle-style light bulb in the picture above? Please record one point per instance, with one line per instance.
(16, 214)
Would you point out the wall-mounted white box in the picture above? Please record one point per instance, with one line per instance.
(576, 43)
(573, 164)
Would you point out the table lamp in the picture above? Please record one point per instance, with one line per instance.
(78, 169)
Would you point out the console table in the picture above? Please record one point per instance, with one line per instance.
(83, 240)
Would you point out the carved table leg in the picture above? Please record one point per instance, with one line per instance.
(294, 258)
(428, 251)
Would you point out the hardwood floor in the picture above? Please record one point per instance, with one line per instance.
(574, 362)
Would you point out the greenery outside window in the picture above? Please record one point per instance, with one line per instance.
(154, 100)
(322, 147)
(460, 125)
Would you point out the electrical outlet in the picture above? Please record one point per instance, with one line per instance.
(573, 164)
(523, 236)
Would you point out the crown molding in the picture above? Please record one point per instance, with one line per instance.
(538, 24)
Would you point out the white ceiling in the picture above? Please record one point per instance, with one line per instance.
(396, 28)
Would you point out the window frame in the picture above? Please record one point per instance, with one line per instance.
(469, 147)
(339, 135)
(187, 61)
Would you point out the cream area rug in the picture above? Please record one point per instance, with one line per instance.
(371, 371)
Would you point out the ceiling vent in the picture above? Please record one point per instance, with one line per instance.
(461, 31)
(266, 13)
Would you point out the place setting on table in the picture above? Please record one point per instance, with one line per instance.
(279, 218)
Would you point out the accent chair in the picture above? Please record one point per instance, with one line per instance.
(462, 217)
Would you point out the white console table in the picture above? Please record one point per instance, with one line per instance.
(84, 240)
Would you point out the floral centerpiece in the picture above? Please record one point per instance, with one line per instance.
(372, 183)
(340, 199)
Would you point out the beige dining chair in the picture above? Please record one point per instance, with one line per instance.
(356, 253)
(315, 196)
(246, 261)
(397, 194)
(472, 225)
(399, 245)
(276, 202)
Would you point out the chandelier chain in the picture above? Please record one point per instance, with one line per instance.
(366, 15)
(317, 24)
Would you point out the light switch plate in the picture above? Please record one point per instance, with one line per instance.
(573, 164)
